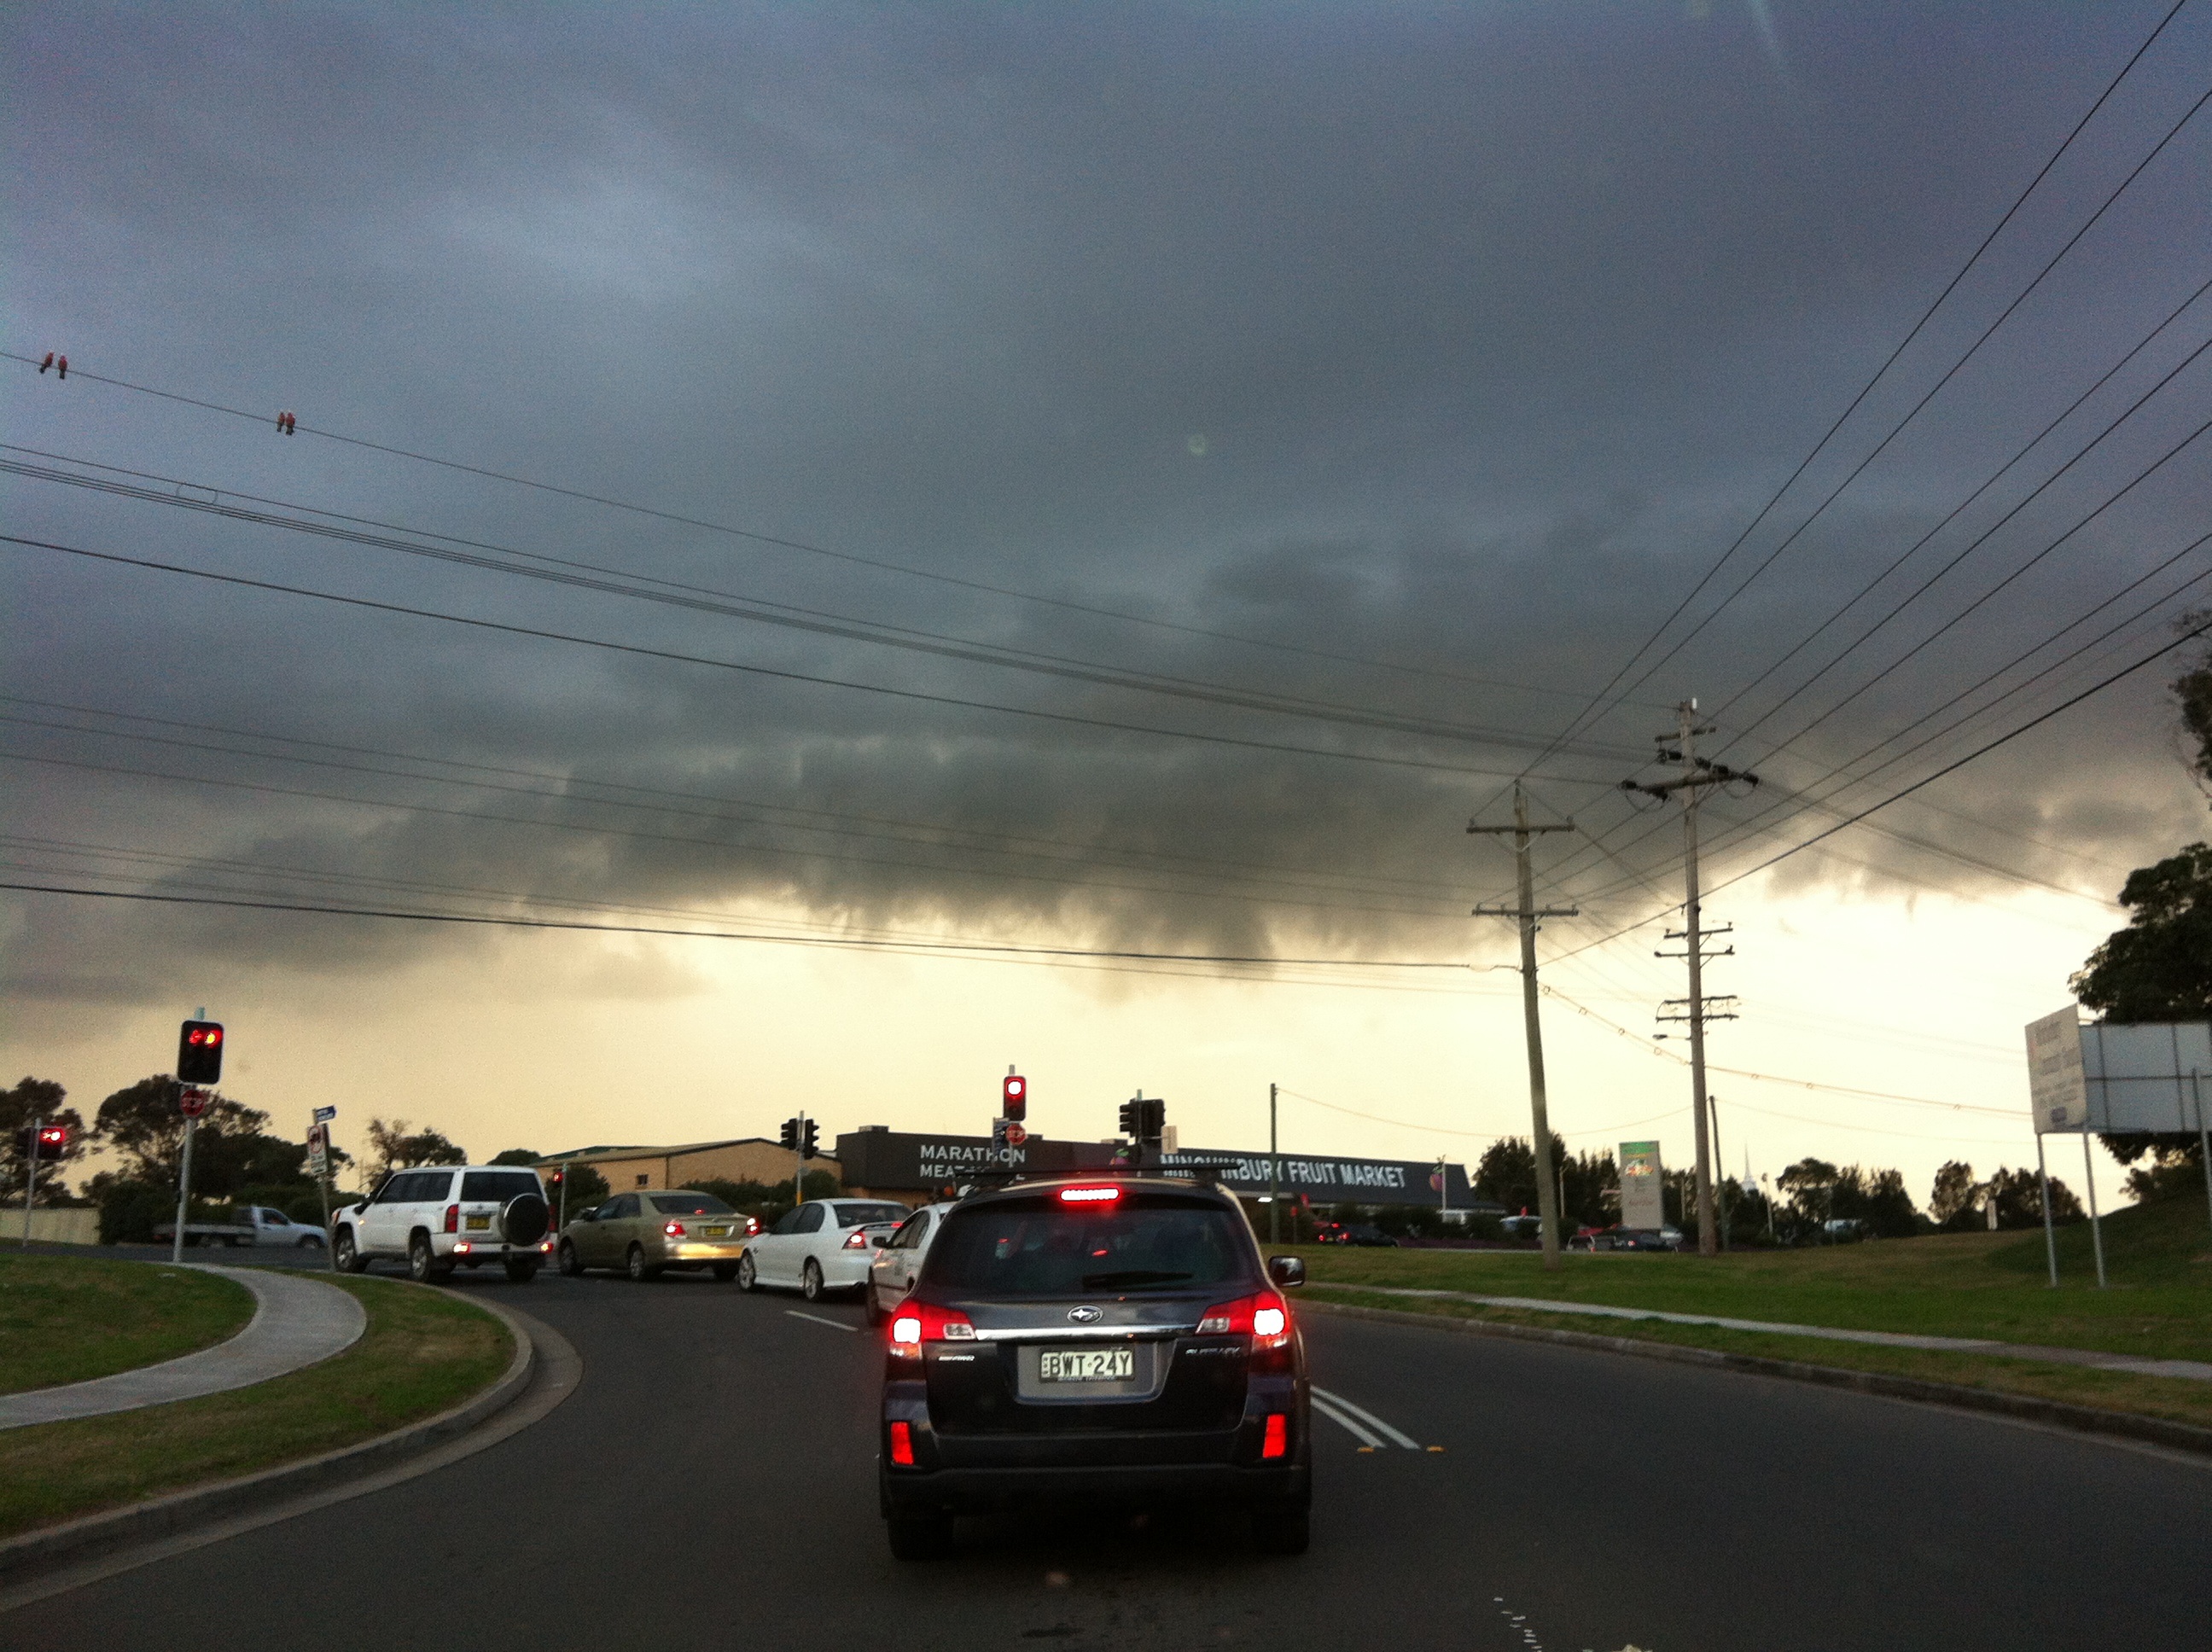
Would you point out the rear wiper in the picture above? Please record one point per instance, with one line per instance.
(1133, 1276)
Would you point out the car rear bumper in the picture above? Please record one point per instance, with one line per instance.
(984, 1491)
(480, 1250)
(693, 1251)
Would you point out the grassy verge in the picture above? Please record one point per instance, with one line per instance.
(1990, 1285)
(2171, 1398)
(424, 1350)
(68, 1319)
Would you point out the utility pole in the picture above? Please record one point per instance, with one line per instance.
(1698, 774)
(1528, 912)
(1274, 1177)
(31, 1177)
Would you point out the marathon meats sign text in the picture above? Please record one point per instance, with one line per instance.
(1335, 1180)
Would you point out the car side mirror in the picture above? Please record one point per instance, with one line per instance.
(590, 1212)
(1288, 1272)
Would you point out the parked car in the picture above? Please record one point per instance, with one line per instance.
(1089, 1343)
(1523, 1226)
(436, 1220)
(817, 1246)
(1367, 1234)
(249, 1224)
(896, 1262)
(644, 1233)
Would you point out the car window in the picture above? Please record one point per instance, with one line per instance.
(501, 1185)
(430, 1185)
(810, 1219)
(854, 1215)
(690, 1205)
(622, 1208)
(788, 1222)
(910, 1231)
(1042, 1246)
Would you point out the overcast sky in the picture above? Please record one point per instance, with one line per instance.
(1410, 364)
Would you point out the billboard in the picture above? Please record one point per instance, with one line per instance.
(2056, 1091)
(2141, 1076)
(1642, 1201)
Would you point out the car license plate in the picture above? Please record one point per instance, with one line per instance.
(722, 1232)
(1086, 1364)
(480, 1225)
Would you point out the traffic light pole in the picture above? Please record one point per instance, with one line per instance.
(30, 1180)
(1274, 1176)
(799, 1157)
(1539, 1120)
(184, 1192)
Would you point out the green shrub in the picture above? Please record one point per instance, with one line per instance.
(128, 1209)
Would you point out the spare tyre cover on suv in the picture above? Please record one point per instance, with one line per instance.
(524, 1220)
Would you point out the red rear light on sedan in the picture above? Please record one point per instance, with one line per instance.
(673, 1230)
(902, 1444)
(856, 1240)
(920, 1322)
(752, 1226)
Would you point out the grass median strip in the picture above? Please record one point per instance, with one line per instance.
(69, 1319)
(2170, 1398)
(424, 1351)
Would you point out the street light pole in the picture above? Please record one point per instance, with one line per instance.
(1274, 1176)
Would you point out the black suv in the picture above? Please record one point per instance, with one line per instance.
(1113, 1339)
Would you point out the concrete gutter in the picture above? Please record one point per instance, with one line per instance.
(181, 1512)
(2053, 1413)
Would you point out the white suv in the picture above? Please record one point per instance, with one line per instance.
(439, 1219)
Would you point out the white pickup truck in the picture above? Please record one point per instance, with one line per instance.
(249, 1224)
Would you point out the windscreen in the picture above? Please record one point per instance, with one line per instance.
(853, 1216)
(1043, 1247)
(690, 1205)
(501, 1185)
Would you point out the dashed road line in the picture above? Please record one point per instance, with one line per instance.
(1369, 1419)
(817, 1319)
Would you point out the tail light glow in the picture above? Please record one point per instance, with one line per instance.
(673, 1230)
(1276, 1442)
(1090, 1196)
(752, 1226)
(452, 1218)
(902, 1444)
(856, 1240)
(1264, 1316)
(462, 1249)
(920, 1322)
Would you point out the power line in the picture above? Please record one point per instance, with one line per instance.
(809, 549)
(677, 657)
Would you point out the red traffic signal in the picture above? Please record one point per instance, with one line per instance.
(52, 1138)
(1014, 1097)
(199, 1053)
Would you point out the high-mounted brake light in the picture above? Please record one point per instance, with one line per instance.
(1276, 1442)
(452, 1218)
(902, 1444)
(674, 1230)
(1088, 1195)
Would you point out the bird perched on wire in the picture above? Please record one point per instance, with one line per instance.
(54, 361)
(287, 423)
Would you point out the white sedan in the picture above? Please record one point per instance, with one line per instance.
(897, 1261)
(823, 1245)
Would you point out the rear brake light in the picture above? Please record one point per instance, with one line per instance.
(1263, 1317)
(752, 1226)
(462, 1248)
(923, 1323)
(452, 1218)
(1276, 1442)
(859, 1241)
(674, 1230)
(1088, 1195)
(902, 1444)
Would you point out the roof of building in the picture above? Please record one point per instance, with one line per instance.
(581, 1155)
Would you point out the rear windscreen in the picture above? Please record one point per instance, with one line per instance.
(1043, 1247)
(690, 1205)
(852, 1216)
(501, 1185)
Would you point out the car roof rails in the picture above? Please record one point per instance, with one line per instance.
(1206, 1176)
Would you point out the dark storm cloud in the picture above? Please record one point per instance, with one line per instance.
(1462, 342)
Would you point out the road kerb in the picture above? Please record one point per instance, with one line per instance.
(2055, 1414)
(178, 1511)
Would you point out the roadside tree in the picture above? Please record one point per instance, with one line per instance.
(1955, 1197)
(39, 1098)
(394, 1146)
(142, 1124)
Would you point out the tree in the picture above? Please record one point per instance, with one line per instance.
(586, 1188)
(1954, 1195)
(516, 1156)
(2159, 967)
(2017, 1195)
(38, 1098)
(141, 1123)
(1507, 1171)
(396, 1148)
(1810, 1184)
(2192, 691)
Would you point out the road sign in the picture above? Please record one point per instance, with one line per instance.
(999, 1129)
(2057, 1090)
(1016, 1134)
(1643, 1185)
(319, 1150)
(325, 1115)
(192, 1100)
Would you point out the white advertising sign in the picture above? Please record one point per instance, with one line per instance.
(2146, 1076)
(1642, 1201)
(2057, 1092)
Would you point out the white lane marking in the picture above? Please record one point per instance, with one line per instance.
(817, 1319)
(1368, 1417)
(1372, 1441)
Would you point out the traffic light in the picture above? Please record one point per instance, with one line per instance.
(789, 1139)
(807, 1141)
(1143, 1118)
(1014, 1097)
(52, 1138)
(1131, 1112)
(199, 1053)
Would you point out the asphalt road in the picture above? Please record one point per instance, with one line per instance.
(712, 1481)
